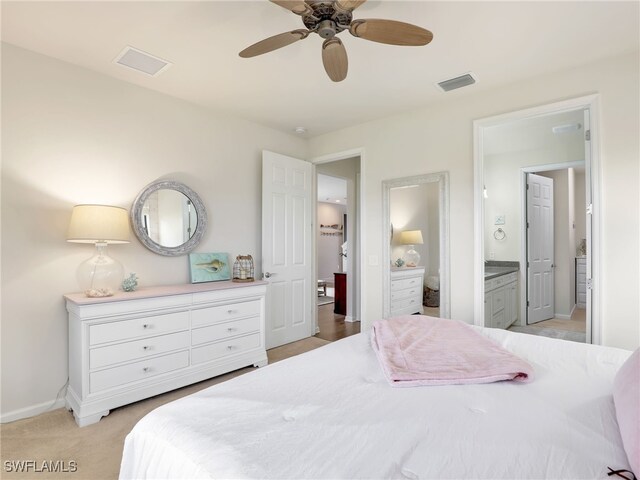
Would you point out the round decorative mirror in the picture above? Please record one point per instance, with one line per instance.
(168, 218)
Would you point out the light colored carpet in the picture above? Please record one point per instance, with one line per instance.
(97, 449)
(324, 300)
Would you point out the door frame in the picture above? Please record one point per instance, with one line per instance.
(358, 285)
(587, 102)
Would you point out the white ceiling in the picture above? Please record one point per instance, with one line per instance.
(332, 189)
(501, 42)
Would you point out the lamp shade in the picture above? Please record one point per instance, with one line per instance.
(98, 223)
(411, 237)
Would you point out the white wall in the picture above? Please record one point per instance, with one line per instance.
(72, 136)
(440, 137)
(433, 240)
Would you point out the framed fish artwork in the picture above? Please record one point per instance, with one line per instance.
(209, 267)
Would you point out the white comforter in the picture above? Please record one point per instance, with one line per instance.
(330, 413)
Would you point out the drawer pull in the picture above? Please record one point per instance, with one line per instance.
(231, 311)
(231, 329)
(229, 347)
(146, 347)
(145, 325)
(145, 369)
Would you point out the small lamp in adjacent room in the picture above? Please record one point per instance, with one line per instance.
(411, 238)
(100, 275)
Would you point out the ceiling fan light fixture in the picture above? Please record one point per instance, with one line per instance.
(457, 82)
(328, 18)
(300, 130)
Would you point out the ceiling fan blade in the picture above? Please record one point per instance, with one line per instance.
(273, 43)
(334, 58)
(298, 7)
(349, 5)
(390, 32)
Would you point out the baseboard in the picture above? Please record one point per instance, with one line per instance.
(31, 411)
(562, 317)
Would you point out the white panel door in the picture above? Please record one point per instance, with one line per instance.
(540, 286)
(286, 247)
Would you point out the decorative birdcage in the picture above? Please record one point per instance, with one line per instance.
(243, 269)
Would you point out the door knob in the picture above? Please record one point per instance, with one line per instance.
(267, 274)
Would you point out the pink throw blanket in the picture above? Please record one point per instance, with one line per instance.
(419, 350)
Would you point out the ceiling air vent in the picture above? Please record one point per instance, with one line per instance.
(141, 61)
(457, 82)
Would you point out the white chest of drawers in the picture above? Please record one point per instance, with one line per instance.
(406, 291)
(136, 345)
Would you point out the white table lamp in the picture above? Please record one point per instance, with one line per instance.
(410, 238)
(100, 275)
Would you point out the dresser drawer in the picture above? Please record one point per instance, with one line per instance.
(403, 283)
(139, 327)
(223, 313)
(221, 331)
(405, 303)
(133, 372)
(233, 346)
(406, 293)
(124, 352)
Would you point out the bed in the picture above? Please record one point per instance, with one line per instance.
(330, 413)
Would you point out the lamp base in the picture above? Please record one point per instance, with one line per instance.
(411, 257)
(100, 275)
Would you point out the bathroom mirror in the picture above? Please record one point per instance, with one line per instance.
(411, 204)
(168, 218)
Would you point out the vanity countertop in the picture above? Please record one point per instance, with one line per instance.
(493, 269)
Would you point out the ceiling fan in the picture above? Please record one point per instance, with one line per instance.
(328, 18)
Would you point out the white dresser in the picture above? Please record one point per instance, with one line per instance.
(406, 290)
(501, 301)
(581, 282)
(136, 345)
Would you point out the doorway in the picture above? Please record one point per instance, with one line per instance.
(336, 247)
(556, 251)
(558, 143)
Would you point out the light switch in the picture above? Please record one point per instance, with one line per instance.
(500, 219)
